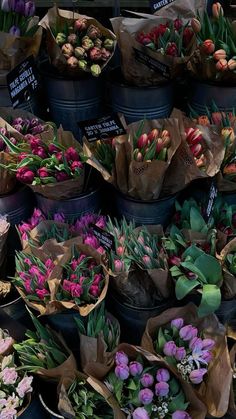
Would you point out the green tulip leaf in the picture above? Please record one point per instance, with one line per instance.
(210, 268)
(211, 299)
(184, 286)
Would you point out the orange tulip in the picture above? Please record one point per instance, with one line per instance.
(208, 46)
(217, 9)
(203, 120)
(232, 64)
(220, 54)
(222, 65)
(196, 25)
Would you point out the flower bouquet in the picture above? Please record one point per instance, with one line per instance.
(53, 360)
(20, 35)
(196, 349)
(215, 58)
(53, 169)
(77, 44)
(98, 337)
(153, 49)
(144, 386)
(224, 216)
(184, 8)
(213, 116)
(228, 261)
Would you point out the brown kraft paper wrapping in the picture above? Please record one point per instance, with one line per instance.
(197, 409)
(229, 280)
(134, 71)
(173, 9)
(36, 234)
(56, 17)
(213, 393)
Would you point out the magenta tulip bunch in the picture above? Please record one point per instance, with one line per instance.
(182, 345)
(143, 390)
(15, 16)
(25, 228)
(28, 126)
(82, 281)
(3, 146)
(32, 276)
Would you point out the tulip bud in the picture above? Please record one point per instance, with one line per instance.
(230, 169)
(118, 265)
(163, 375)
(196, 149)
(217, 10)
(29, 8)
(162, 389)
(121, 358)
(95, 70)
(220, 54)
(14, 30)
(145, 396)
(196, 25)
(196, 376)
(165, 134)
(180, 353)
(80, 53)
(208, 344)
(228, 134)
(188, 332)
(60, 39)
(80, 25)
(98, 43)
(147, 261)
(67, 50)
(178, 323)
(72, 39)
(203, 120)
(193, 136)
(174, 260)
(159, 145)
(140, 413)
(87, 43)
(196, 344)
(95, 54)
(201, 161)
(142, 141)
(20, 7)
(180, 414)
(108, 44)
(72, 62)
(232, 64)
(221, 65)
(170, 348)
(122, 371)
(93, 32)
(208, 46)
(137, 155)
(206, 356)
(82, 64)
(147, 380)
(153, 134)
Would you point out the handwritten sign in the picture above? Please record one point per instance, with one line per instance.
(157, 5)
(108, 126)
(151, 63)
(105, 239)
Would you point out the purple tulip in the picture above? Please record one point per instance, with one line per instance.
(121, 358)
(196, 344)
(145, 396)
(6, 6)
(20, 7)
(178, 323)
(188, 332)
(206, 356)
(162, 389)
(29, 8)
(140, 413)
(122, 372)
(180, 353)
(162, 375)
(135, 368)
(196, 376)
(147, 380)
(180, 414)
(15, 31)
(170, 348)
(208, 344)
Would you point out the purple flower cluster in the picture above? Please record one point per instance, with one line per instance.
(24, 8)
(191, 353)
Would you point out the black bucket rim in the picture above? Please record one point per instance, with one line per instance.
(115, 296)
(17, 190)
(47, 408)
(82, 195)
(47, 70)
(124, 84)
(139, 201)
(17, 300)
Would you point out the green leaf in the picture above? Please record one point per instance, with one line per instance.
(197, 222)
(193, 251)
(191, 267)
(210, 268)
(161, 339)
(184, 286)
(211, 299)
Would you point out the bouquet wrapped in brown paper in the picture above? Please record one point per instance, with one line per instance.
(231, 334)
(88, 396)
(200, 154)
(153, 49)
(228, 260)
(76, 279)
(196, 348)
(142, 383)
(77, 44)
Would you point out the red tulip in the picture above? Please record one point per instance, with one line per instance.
(142, 141)
(196, 149)
(208, 46)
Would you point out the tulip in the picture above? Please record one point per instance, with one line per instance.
(25, 175)
(201, 161)
(147, 261)
(121, 358)
(196, 25)
(159, 145)
(217, 117)
(180, 414)
(145, 396)
(6, 5)
(208, 46)
(162, 389)
(72, 39)
(230, 169)
(62, 176)
(142, 141)
(40, 151)
(95, 70)
(105, 54)
(3, 131)
(208, 344)
(140, 413)
(80, 24)
(196, 344)
(147, 380)
(206, 356)
(18, 127)
(178, 323)
(221, 65)
(91, 241)
(187, 36)
(174, 260)
(122, 372)
(178, 24)
(29, 8)
(87, 43)
(137, 155)
(153, 134)
(135, 368)
(72, 154)
(180, 353)
(217, 10)
(67, 50)
(82, 64)
(203, 120)
(98, 43)
(108, 44)
(172, 49)
(43, 172)
(14, 30)
(220, 54)
(193, 135)
(119, 265)
(170, 348)
(196, 149)
(228, 134)
(76, 165)
(162, 375)
(73, 62)
(60, 39)
(188, 332)
(80, 52)
(95, 54)
(232, 64)
(20, 7)
(196, 376)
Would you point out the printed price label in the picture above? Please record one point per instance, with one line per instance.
(23, 81)
(106, 239)
(212, 196)
(152, 63)
(157, 5)
(104, 128)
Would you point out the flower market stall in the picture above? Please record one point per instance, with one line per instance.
(117, 210)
